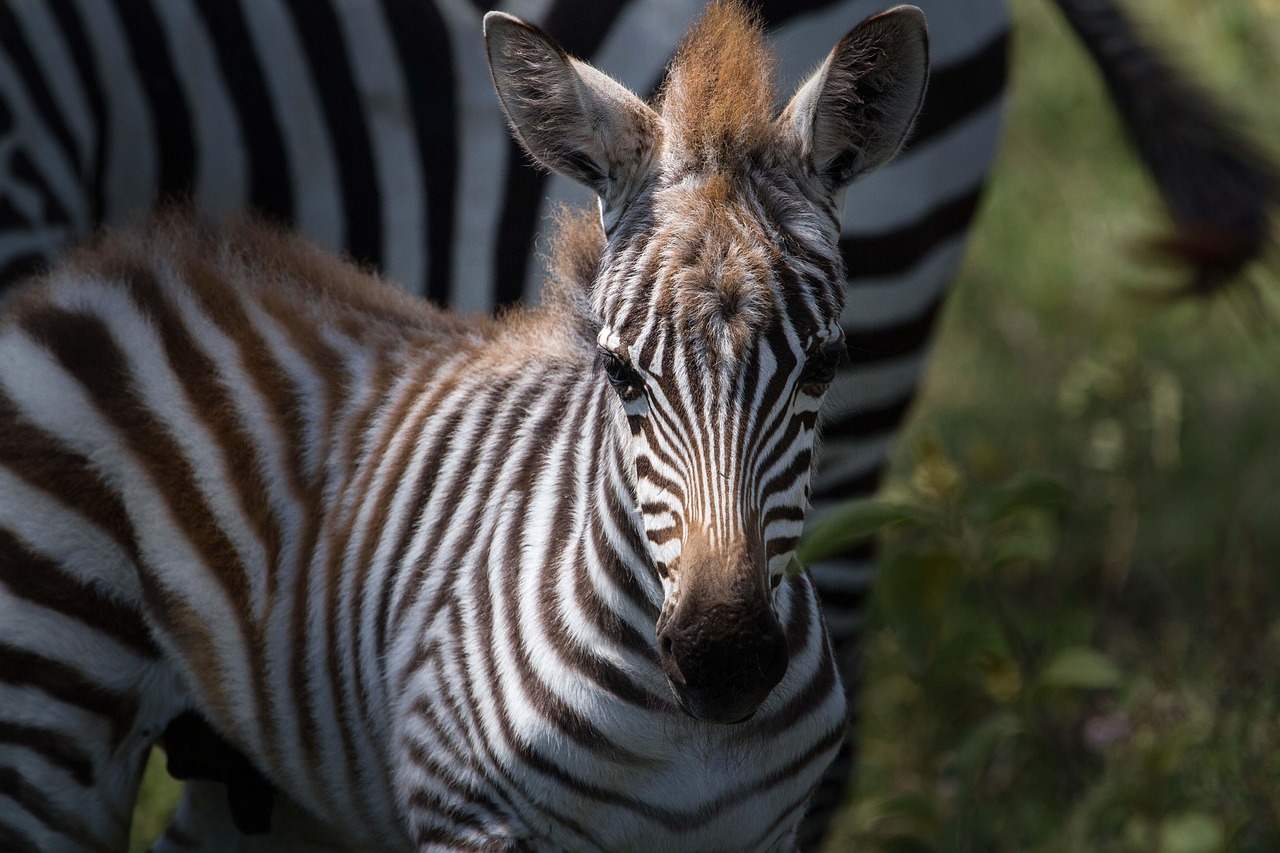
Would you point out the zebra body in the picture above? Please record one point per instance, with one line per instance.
(444, 585)
(371, 126)
(277, 587)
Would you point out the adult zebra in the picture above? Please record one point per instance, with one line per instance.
(465, 585)
(371, 125)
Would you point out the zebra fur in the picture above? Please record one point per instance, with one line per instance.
(438, 580)
(290, 108)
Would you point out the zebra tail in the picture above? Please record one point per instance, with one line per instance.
(1221, 189)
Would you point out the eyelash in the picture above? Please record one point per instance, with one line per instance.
(821, 367)
(624, 378)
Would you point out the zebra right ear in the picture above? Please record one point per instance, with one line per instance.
(857, 110)
(570, 117)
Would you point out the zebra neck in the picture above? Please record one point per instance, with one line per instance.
(588, 609)
(604, 585)
(528, 541)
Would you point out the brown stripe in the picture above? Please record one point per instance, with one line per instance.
(446, 789)
(569, 722)
(42, 581)
(481, 594)
(479, 758)
(423, 491)
(86, 350)
(357, 456)
(23, 668)
(38, 804)
(36, 457)
(56, 748)
(282, 400)
(215, 407)
(288, 407)
(346, 589)
(572, 653)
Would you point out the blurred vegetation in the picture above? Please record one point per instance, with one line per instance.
(1075, 640)
(1075, 644)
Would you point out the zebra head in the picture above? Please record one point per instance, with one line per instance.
(718, 296)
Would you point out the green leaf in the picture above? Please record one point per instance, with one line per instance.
(913, 589)
(1033, 544)
(906, 844)
(1082, 668)
(1191, 833)
(851, 524)
(1027, 491)
(915, 808)
(971, 759)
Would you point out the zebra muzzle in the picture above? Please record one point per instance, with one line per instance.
(722, 661)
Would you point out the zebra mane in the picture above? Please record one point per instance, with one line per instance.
(718, 98)
(572, 262)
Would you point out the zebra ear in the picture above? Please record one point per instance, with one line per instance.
(570, 117)
(856, 111)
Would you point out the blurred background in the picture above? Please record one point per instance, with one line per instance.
(1075, 642)
(1076, 633)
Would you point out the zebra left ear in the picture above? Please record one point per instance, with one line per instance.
(570, 117)
(856, 111)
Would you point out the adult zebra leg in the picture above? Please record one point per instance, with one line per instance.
(76, 719)
(1221, 189)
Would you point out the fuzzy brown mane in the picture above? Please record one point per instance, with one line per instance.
(572, 261)
(719, 95)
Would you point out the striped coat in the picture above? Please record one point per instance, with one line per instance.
(372, 126)
(458, 584)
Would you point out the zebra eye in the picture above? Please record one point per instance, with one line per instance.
(624, 378)
(820, 369)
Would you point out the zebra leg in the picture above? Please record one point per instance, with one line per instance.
(226, 805)
(202, 822)
(72, 745)
(84, 691)
(67, 779)
(205, 823)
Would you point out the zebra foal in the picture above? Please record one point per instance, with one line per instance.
(447, 583)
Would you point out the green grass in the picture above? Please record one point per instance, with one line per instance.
(156, 803)
(1092, 665)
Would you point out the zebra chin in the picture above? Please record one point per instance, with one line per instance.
(720, 706)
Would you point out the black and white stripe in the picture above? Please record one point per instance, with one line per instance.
(372, 127)
(448, 583)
